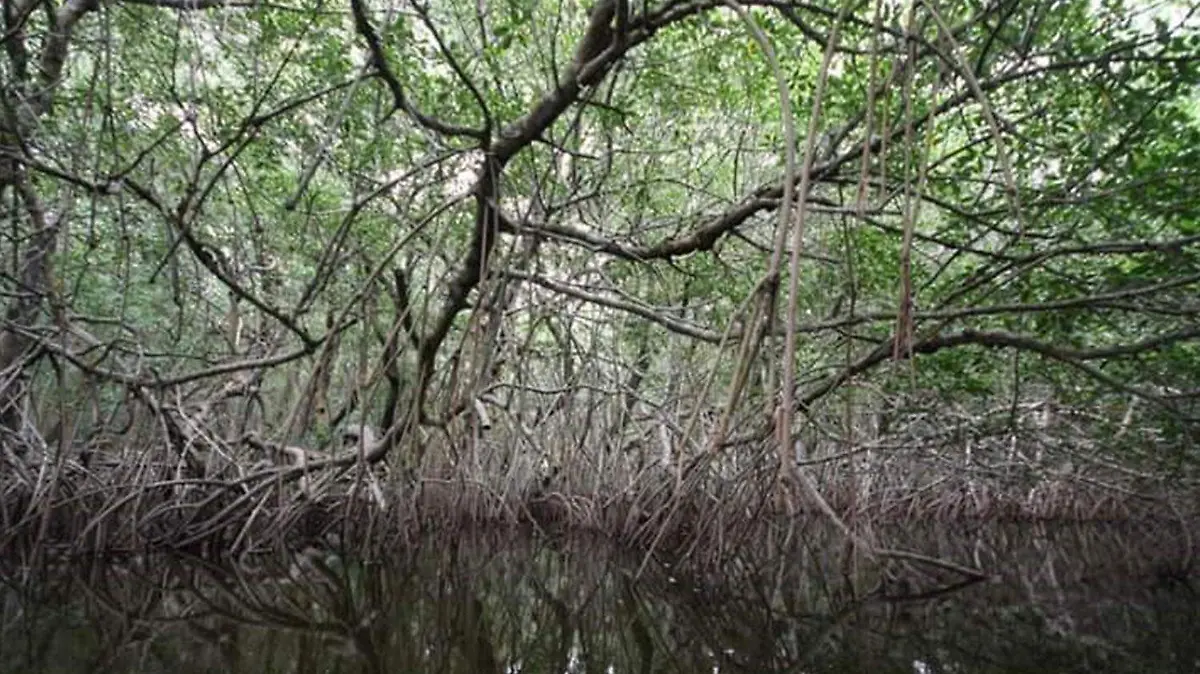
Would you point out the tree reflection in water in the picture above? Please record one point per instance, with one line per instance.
(1065, 599)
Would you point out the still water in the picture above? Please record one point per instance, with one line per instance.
(1061, 599)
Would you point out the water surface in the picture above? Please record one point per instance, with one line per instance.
(1063, 599)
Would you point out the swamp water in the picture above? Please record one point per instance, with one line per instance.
(1062, 599)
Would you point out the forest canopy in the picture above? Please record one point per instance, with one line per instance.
(842, 251)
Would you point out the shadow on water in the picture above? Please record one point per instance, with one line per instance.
(1065, 599)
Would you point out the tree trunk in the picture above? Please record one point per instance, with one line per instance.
(34, 282)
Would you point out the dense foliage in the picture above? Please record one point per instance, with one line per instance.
(537, 242)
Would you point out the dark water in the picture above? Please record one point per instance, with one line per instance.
(1063, 599)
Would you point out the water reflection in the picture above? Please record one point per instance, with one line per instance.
(1066, 600)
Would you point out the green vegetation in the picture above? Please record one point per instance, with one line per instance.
(543, 255)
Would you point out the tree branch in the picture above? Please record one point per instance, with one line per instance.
(362, 25)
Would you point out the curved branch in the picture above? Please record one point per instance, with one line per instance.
(54, 53)
(362, 25)
(486, 131)
(1077, 358)
(668, 322)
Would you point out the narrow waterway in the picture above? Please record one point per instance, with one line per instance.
(1060, 599)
